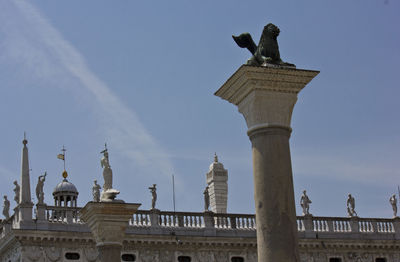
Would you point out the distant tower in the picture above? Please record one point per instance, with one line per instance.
(217, 180)
(25, 205)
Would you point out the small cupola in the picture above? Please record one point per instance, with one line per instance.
(65, 193)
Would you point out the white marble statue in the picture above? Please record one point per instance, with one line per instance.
(305, 203)
(96, 191)
(351, 205)
(17, 190)
(108, 194)
(6, 208)
(153, 191)
(39, 188)
(107, 172)
(206, 199)
(393, 202)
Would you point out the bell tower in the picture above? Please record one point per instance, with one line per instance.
(217, 181)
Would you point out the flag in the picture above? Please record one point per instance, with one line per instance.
(60, 156)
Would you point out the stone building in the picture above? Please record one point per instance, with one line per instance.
(56, 232)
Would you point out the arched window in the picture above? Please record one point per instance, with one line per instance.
(335, 259)
(72, 256)
(128, 257)
(184, 259)
(237, 259)
(380, 259)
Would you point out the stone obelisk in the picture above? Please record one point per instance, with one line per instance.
(25, 203)
(266, 97)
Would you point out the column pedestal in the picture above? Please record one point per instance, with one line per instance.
(266, 97)
(107, 222)
(41, 212)
(25, 219)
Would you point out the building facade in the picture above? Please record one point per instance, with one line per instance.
(43, 232)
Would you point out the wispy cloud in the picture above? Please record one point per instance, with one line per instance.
(31, 40)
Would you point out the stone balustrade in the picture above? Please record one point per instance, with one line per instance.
(68, 215)
(308, 226)
(229, 224)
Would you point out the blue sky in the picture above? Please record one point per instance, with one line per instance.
(140, 75)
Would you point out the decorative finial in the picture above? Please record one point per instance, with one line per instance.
(65, 174)
(215, 157)
(105, 149)
(24, 141)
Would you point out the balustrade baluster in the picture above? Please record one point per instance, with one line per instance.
(380, 227)
(329, 224)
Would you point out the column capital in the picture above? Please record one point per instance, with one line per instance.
(265, 95)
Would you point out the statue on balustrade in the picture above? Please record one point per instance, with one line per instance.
(39, 188)
(107, 172)
(393, 202)
(267, 51)
(109, 194)
(17, 190)
(305, 203)
(96, 191)
(206, 199)
(153, 191)
(6, 208)
(351, 205)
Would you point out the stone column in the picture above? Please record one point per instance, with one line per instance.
(266, 97)
(107, 222)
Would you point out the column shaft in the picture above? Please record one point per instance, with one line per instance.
(277, 238)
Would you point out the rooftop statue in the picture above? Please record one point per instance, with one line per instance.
(17, 190)
(305, 203)
(96, 191)
(153, 191)
(206, 199)
(351, 205)
(107, 172)
(393, 202)
(267, 51)
(109, 193)
(6, 208)
(39, 188)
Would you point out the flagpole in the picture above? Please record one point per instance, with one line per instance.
(173, 190)
(63, 150)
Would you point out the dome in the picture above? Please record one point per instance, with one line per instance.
(65, 187)
(216, 165)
